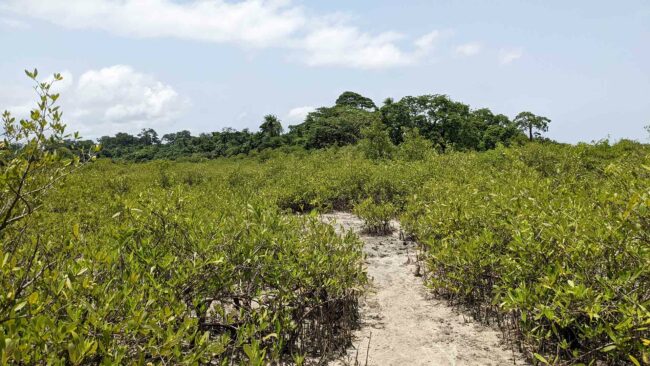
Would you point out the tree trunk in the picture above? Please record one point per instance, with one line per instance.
(530, 132)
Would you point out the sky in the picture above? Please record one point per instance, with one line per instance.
(204, 65)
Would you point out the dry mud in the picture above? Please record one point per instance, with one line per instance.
(401, 324)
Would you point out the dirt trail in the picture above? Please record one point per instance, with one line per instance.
(404, 325)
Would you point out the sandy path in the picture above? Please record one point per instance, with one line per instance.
(403, 324)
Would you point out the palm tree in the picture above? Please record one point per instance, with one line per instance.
(271, 126)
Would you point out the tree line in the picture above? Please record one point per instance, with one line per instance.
(440, 121)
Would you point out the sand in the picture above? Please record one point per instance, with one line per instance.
(403, 323)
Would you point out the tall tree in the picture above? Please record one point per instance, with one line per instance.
(148, 136)
(397, 118)
(177, 137)
(528, 122)
(271, 127)
(438, 118)
(332, 126)
(355, 100)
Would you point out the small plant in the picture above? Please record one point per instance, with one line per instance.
(193, 178)
(119, 185)
(376, 216)
(414, 147)
(376, 144)
(31, 167)
(164, 178)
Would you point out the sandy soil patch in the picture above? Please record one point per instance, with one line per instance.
(401, 324)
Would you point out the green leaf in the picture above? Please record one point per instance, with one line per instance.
(609, 348)
(269, 336)
(20, 306)
(540, 358)
(75, 231)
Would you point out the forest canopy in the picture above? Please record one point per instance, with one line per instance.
(445, 123)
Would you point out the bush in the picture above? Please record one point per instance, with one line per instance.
(414, 147)
(376, 143)
(555, 249)
(376, 216)
(125, 264)
(149, 263)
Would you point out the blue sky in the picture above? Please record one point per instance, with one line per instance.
(209, 64)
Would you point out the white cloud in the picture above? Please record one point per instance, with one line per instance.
(13, 24)
(253, 22)
(507, 56)
(20, 101)
(320, 40)
(347, 46)
(120, 96)
(61, 85)
(427, 41)
(468, 49)
(298, 114)
(113, 99)
(19, 110)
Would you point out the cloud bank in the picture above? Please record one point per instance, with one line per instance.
(113, 99)
(317, 40)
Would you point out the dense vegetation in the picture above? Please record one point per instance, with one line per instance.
(552, 244)
(164, 264)
(444, 123)
(226, 261)
(160, 264)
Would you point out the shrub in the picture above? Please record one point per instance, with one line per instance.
(415, 147)
(561, 260)
(124, 264)
(192, 178)
(376, 143)
(376, 216)
(148, 263)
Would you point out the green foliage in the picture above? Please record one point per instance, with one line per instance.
(446, 124)
(271, 127)
(164, 263)
(376, 144)
(414, 147)
(204, 262)
(376, 216)
(529, 122)
(354, 100)
(30, 166)
(164, 176)
(550, 242)
(506, 222)
(182, 274)
(335, 126)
